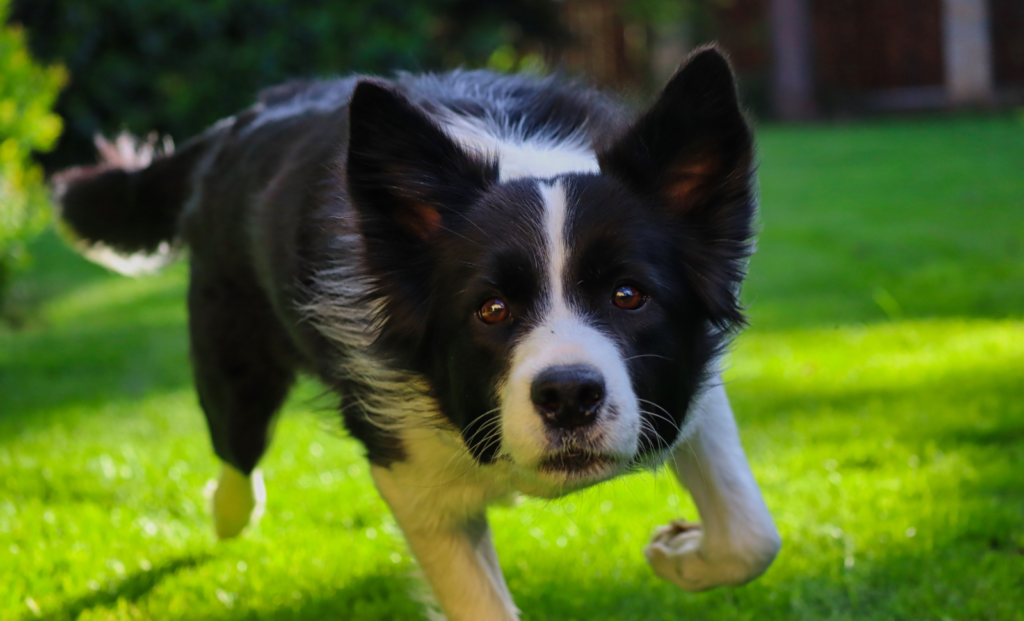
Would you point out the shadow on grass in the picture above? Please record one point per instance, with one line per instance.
(44, 371)
(111, 343)
(368, 598)
(995, 392)
(903, 585)
(54, 269)
(133, 588)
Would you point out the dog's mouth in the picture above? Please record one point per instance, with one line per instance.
(577, 463)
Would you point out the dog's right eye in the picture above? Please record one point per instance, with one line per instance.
(493, 311)
(627, 297)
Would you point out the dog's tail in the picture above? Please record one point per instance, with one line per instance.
(125, 210)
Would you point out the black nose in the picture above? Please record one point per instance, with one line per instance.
(568, 396)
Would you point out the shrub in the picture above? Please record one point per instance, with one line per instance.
(27, 94)
(176, 66)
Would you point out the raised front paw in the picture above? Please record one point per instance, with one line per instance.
(679, 553)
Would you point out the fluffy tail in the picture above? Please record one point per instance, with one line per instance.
(125, 210)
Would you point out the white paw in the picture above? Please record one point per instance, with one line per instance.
(236, 500)
(679, 553)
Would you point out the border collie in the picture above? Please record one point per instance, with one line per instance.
(512, 284)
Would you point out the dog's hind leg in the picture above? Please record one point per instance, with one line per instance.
(241, 359)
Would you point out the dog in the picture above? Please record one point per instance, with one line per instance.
(512, 283)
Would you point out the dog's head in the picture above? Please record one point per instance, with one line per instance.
(564, 319)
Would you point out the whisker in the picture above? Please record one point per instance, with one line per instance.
(663, 417)
(666, 412)
(648, 356)
(457, 234)
(470, 220)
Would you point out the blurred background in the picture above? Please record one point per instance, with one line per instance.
(174, 66)
(879, 388)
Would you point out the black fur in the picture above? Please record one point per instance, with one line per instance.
(360, 174)
(407, 181)
(129, 210)
(692, 152)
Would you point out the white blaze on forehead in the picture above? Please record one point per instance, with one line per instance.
(517, 160)
(553, 196)
(535, 156)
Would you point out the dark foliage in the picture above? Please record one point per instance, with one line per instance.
(175, 66)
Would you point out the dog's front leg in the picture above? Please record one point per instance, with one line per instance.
(454, 549)
(738, 539)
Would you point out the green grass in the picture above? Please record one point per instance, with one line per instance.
(880, 392)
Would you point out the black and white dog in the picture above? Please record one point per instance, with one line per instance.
(511, 284)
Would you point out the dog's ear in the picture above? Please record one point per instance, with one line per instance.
(409, 182)
(692, 155)
(405, 175)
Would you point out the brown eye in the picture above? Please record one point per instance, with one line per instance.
(493, 311)
(629, 298)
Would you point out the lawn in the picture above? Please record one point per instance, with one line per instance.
(880, 392)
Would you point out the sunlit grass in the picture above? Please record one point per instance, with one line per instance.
(889, 446)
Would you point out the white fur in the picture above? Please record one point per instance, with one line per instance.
(519, 156)
(323, 98)
(556, 210)
(236, 500)
(564, 337)
(130, 153)
(439, 496)
(439, 493)
(391, 399)
(135, 264)
(439, 490)
(738, 539)
(453, 548)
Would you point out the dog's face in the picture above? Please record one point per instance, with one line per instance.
(564, 318)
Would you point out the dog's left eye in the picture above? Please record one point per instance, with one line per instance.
(493, 311)
(629, 298)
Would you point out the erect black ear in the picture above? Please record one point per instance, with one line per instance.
(692, 154)
(405, 175)
(408, 182)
